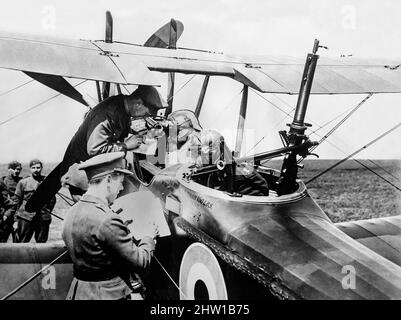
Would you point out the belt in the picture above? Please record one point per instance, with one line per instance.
(94, 275)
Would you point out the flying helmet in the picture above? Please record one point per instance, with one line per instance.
(186, 122)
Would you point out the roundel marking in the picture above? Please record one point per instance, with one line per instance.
(200, 266)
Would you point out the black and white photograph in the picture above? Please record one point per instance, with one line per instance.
(222, 150)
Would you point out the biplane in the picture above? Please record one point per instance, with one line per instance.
(221, 244)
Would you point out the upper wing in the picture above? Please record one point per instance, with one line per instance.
(70, 58)
(273, 74)
(132, 64)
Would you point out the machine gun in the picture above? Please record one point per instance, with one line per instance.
(296, 135)
(295, 141)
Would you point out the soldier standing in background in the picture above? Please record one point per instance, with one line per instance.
(32, 223)
(8, 185)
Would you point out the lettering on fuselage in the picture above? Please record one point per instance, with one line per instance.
(200, 200)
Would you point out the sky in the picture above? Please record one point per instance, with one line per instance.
(365, 28)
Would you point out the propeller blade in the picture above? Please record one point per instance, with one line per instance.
(59, 84)
(161, 38)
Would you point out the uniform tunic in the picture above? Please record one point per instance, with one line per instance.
(102, 251)
(31, 223)
(24, 190)
(103, 130)
(7, 186)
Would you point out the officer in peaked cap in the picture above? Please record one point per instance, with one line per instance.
(101, 248)
(104, 164)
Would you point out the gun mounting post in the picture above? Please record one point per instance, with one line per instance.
(298, 125)
(296, 135)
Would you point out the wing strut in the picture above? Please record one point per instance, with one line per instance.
(201, 96)
(108, 39)
(99, 92)
(241, 120)
(172, 44)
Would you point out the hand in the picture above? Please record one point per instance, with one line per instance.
(133, 142)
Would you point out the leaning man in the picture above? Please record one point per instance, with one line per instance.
(102, 250)
(32, 223)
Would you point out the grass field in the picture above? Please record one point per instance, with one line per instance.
(348, 192)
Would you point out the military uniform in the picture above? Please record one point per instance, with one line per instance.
(105, 127)
(31, 223)
(100, 245)
(8, 185)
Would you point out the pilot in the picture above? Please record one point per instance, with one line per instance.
(184, 130)
(106, 127)
(210, 149)
(99, 243)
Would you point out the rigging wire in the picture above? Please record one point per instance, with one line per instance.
(380, 176)
(288, 114)
(273, 104)
(386, 171)
(368, 168)
(320, 127)
(37, 105)
(15, 88)
(354, 153)
(169, 276)
(229, 103)
(125, 87)
(256, 144)
(350, 112)
(359, 162)
(176, 92)
(331, 131)
(182, 87)
(112, 61)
